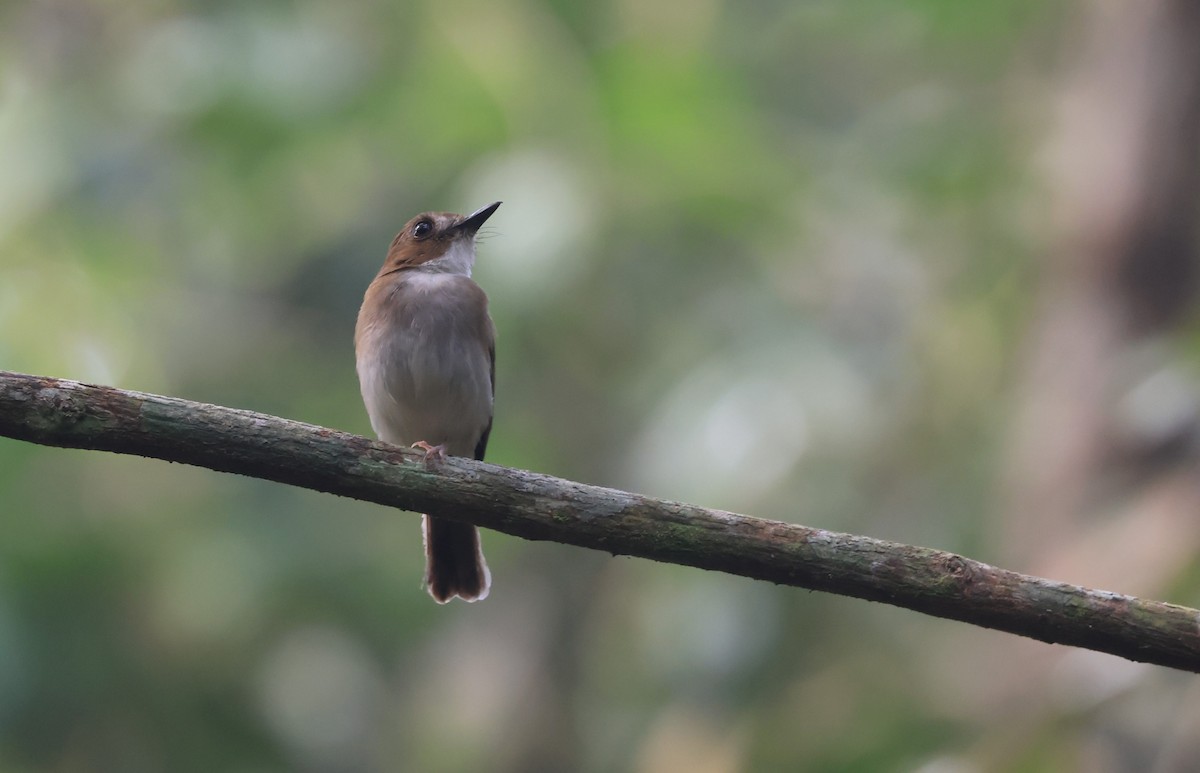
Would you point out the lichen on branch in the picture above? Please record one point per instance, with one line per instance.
(58, 412)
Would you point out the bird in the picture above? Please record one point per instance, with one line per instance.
(425, 352)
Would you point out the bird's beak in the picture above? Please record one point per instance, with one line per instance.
(470, 224)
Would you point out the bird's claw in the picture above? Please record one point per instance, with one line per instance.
(434, 455)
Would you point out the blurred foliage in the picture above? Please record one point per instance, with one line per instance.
(774, 257)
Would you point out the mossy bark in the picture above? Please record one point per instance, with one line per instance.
(69, 414)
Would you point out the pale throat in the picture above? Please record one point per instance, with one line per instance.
(459, 259)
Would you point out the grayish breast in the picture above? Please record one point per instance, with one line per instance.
(426, 371)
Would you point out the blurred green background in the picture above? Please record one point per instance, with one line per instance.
(774, 257)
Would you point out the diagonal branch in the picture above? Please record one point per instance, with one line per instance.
(69, 414)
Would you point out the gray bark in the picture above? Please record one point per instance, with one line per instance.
(69, 414)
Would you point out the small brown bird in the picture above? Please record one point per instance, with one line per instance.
(426, 355)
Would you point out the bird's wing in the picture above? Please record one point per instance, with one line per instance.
(481, 446)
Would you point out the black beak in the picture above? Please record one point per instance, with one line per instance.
(471, 223)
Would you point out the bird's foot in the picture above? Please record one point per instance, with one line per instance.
(434, 455)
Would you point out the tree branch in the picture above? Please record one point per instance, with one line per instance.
(69, 414)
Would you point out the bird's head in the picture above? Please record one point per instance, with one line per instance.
(437, 242)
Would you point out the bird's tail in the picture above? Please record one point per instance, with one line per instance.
(454, 564)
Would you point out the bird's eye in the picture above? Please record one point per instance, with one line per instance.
(422, 229)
